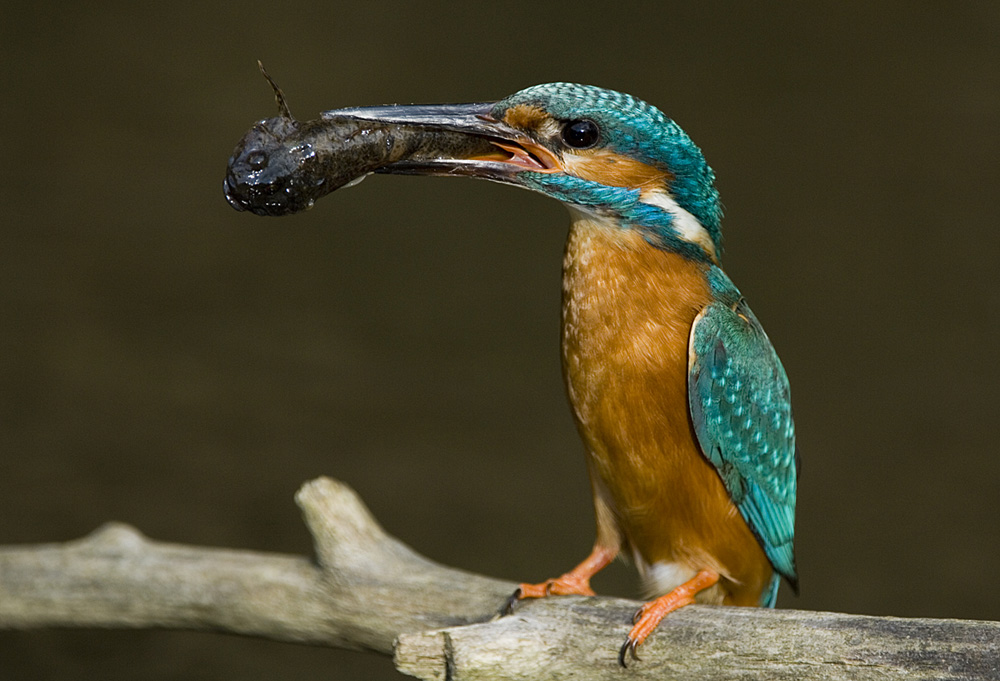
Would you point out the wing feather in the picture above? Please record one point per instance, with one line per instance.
(739, 399)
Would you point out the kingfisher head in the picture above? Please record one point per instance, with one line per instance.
(600, 152)
(619, 156)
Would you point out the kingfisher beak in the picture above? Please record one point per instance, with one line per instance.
(458, 139)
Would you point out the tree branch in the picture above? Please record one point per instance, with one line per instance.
(366, 590)
(363, 590)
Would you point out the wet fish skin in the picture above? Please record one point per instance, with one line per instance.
(282, 165)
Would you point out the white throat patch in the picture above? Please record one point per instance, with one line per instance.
(685, 225)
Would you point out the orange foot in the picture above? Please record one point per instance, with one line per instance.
(576, 581)
(650, 614)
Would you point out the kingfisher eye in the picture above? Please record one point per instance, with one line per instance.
(581, 134)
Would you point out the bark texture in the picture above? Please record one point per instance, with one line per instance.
(366, 590)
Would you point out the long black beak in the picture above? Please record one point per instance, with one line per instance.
(456, 134)
(468, 118)
(283, 165)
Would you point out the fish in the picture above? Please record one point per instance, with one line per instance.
(283, 166)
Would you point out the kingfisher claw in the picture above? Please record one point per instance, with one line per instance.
(576, 582)
(648, 617)
(628, 648)
(634, 638)
(570, 584)
(508, 607)
(567, 585)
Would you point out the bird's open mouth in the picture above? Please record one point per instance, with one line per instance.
(492, 149)
(520, 152)
(524, 155)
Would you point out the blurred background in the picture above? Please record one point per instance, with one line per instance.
(168, 362)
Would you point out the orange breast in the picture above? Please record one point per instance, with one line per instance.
(627, 314)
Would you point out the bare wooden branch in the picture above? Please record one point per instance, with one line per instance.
(578, 638)
(366, 590)
(363, 589)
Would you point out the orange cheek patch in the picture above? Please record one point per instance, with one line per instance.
(525, 117)
(615, 170)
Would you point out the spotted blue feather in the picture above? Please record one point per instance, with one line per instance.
(739, 399)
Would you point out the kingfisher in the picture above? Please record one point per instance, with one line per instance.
(677, 393)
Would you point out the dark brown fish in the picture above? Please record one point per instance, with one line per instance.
(283, 165)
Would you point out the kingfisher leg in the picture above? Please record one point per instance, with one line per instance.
(649, 615)
(576, 581)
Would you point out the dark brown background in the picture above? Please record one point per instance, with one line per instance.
(168, 362)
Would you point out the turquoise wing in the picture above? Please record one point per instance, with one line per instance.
(739, 399)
